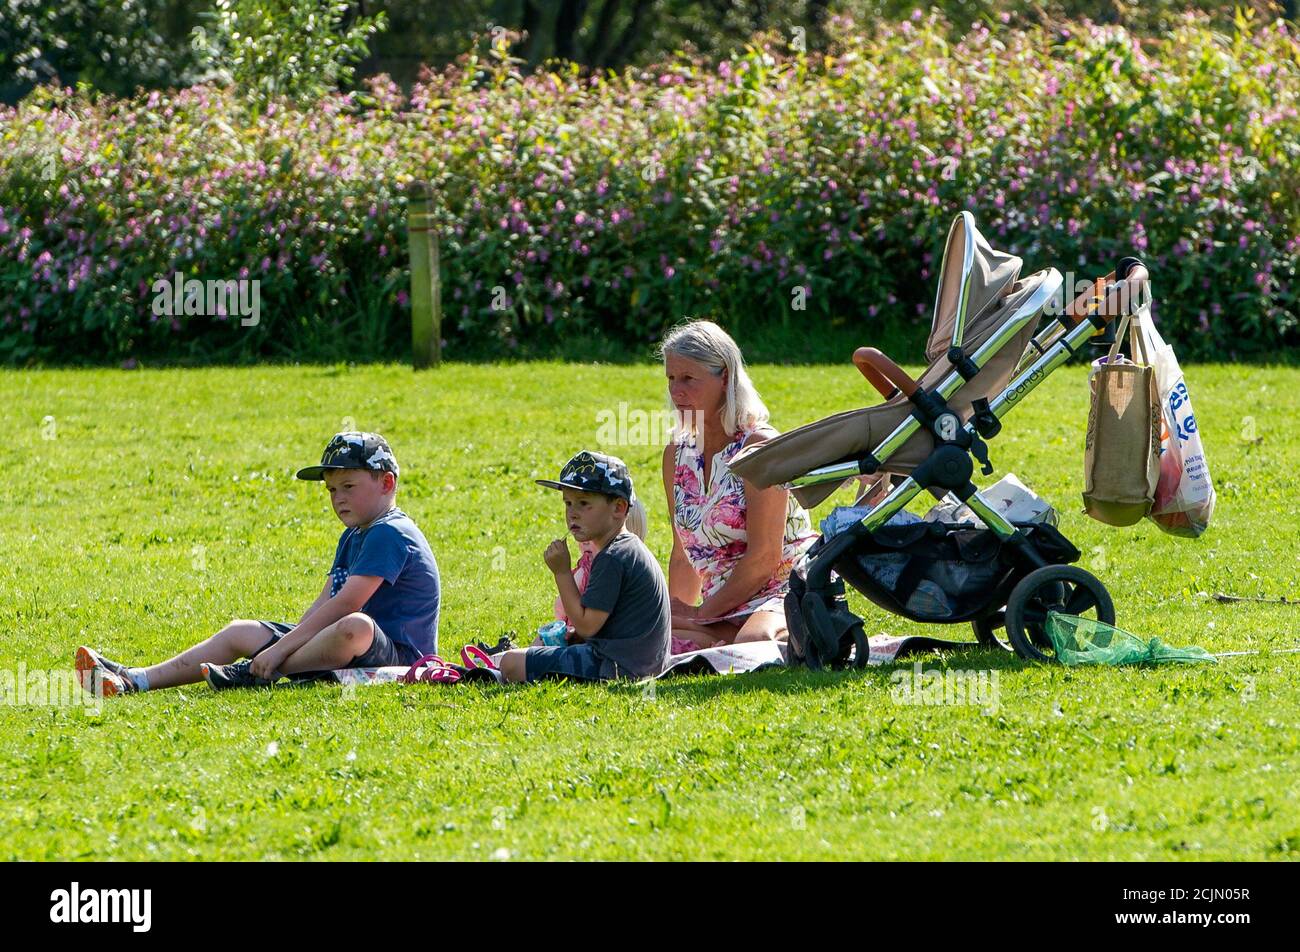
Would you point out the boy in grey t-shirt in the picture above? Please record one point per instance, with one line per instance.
(622, 622)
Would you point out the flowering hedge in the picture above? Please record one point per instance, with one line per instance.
(613, 206)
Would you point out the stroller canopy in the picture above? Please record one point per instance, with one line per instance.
(972, 280)
(980, 290)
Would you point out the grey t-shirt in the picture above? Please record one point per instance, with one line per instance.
(627, 582)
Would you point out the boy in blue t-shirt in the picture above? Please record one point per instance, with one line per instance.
(379, 605)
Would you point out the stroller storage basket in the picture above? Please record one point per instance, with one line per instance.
(928, 572)
(942, 573)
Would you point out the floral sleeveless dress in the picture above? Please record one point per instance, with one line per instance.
(710, 521)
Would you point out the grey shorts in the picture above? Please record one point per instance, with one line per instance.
(383, 651)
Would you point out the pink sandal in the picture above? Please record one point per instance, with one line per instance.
(472, 656)
(435, 671)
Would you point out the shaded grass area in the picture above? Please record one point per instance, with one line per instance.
(147, 509)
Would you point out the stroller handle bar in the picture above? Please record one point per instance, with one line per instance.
(883, 374)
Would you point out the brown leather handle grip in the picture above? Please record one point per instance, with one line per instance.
(1112, 306)
(882, 373)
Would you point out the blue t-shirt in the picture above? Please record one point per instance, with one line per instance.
(405, 605)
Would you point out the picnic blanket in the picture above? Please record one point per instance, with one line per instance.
(724, 659)
(751, 656)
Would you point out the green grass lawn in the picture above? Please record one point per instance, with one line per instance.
(164, 505)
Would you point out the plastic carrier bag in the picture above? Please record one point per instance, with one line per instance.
(1080, 641)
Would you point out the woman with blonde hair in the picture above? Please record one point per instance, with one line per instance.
(733, 543)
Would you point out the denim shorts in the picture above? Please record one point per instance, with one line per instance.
(383, 651)
(566, 661)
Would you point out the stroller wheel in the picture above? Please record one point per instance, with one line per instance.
(1062, 588)
(986, 629)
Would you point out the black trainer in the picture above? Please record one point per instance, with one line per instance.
(505, 644)
(237, 675)
(475, 673)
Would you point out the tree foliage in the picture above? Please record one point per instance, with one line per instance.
(300, 49)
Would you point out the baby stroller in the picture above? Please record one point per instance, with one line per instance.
(986, 353)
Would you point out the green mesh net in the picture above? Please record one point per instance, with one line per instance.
(1088, 641)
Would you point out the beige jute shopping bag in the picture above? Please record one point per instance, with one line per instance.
(1122, 451)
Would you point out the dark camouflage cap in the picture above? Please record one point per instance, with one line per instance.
(594, 473)
(354, 451)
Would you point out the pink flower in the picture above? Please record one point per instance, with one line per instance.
(730, 552)
(684, 476)
(728, 512)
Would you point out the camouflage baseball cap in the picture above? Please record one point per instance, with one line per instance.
(594, 473)
(354, 451)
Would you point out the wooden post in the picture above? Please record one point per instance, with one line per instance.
(426, 277)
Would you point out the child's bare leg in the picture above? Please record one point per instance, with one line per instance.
(705, 636)
(699, 637)
(237, 640)
(513, 665)
(762, 626)
(335, 646)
